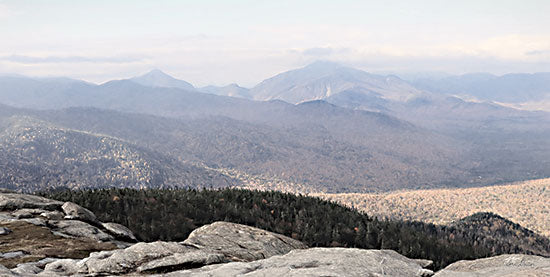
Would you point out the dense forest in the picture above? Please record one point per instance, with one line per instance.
(524, 202)
(172, 214)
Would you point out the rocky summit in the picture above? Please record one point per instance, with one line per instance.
(44, 237)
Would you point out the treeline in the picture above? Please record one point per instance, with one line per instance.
(172, 214)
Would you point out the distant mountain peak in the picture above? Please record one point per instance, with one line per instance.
(323, 79)
(157, 72)
(233, 90)
(158, 78)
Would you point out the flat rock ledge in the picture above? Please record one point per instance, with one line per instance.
(205, 246)
(499, 266)
(319, 262)
(16, 201)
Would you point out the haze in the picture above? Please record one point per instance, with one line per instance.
(222, 42)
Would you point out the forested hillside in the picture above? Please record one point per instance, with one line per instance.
(317, 145)
(523, 202)
(36, 155)
(173, 214)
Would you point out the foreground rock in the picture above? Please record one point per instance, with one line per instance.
(240, 242)
(119, 231)
(33, 229)
(31, 243)
(74, 211)
(319, 262)
(78, 229)
(219, 242)
(16, 201)
(503, 265)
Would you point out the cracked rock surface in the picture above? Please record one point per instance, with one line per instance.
(240, 242)
(319, 262)
(503, 265)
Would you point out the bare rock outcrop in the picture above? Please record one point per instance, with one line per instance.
(240, 242)
(220, 242)
(319, 262)
(501, 266)
(119, 231)
(74, 211)
(16, 201)
(35, 228)
(78, 229)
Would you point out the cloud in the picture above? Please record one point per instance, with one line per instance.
(69, 59)
(318, 51)
(6, 12)
(537, 52)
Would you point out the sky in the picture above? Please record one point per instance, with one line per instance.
(245, 41)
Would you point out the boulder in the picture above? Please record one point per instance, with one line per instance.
(240, 242)
(74, 211)
(13, 254)
(6, 216)
(40, 264)
(502, 266)
(424, 263)
(78, 229)
(318, 262)
(65, 267)
(4, 231)
(16, 201)
(4, 271)
(53, 215)
(27, 213)
(35, 221)
(179, 261)
(26, 269)
(129, 259)
(119, 231)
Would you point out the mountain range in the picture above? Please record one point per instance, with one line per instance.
(324, 127)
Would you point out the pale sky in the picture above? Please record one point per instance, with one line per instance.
(221, 42)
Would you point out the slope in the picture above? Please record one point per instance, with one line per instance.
(523, 202)
(36, 155)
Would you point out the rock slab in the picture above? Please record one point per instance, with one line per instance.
(119, 231)
(501, 266)
(240, 242)
(74, 211)
(16, 201)
(318, 262)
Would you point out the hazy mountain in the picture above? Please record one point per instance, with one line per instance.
(509, 88)
(232, 90)
(321, 80)
(427, 140)
(38, 93)
(317, 145)
(36, 155)
(157, 78)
